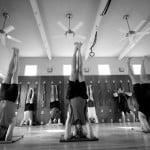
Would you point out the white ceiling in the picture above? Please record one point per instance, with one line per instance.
(108, 42)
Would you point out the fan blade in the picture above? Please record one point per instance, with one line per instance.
(58, 36)
(143, 33)
(62, 26)
(9, 29)
(78, 26)
(13, 38)
(132, 40)
(140, 25)
(80, 36)
(3, 39)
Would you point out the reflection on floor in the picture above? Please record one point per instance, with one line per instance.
(111, 136)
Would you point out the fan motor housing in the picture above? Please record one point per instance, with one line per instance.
(2, 31)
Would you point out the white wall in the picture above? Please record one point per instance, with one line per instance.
(91, 63)
(57, 63)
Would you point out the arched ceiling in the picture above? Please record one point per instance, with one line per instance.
(108, 43)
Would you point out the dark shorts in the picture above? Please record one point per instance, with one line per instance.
(55, 104)
(78, 107)
(3, 132)
(29, 107)
(142, 94)
(76, 89)
(123, 104)
(9, 92)
(90, 103)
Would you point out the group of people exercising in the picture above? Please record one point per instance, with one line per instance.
(77, 114)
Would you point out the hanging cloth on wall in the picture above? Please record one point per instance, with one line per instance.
(91, 48)
(52, 96)
(43, 102)
(19, 96)
(114, 86)
(106, 8)
(91, 92)
(56, 93)
(129, 86)
(28, 85)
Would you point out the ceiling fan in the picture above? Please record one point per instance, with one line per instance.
(5, 30)
(70, 33)
(131, 35)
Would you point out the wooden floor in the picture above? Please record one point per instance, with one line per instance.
(111, 136)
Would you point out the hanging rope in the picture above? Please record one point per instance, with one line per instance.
(95, 38)
(91, 48)
(106, 8)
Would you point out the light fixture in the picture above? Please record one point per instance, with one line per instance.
(69, 33)
(49, 69)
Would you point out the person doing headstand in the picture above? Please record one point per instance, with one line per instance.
(122, 99)
(141, 89)
(29, 108)
(8, 97)
(77, 95)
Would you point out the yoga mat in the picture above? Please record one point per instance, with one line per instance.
(14, 139)
(75, 139)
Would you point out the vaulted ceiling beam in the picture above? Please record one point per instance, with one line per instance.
(37, 15)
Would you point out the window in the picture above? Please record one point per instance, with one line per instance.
(136, 69)
(104, 69)
(67, 70)
(30, 70)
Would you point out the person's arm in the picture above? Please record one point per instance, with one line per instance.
(74, 73)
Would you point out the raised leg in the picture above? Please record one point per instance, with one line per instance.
(73, 76)
(10, 69)
(144, 76)
(12, 77)
(131, 74)
(15, 71)
(80, 66)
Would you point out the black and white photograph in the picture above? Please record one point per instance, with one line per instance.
(74, 74)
